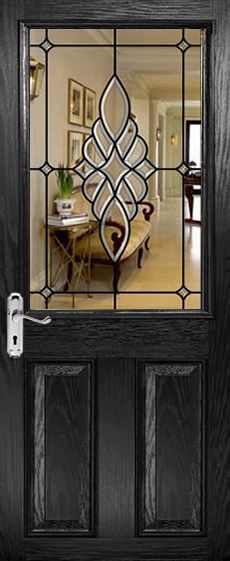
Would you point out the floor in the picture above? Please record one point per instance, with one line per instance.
(161, 270)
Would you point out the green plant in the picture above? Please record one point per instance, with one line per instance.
(64, 182)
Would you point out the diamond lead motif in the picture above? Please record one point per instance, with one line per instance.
(46, 292)
(46, 45)
(183, 292)
(46, 169)
(183, 45)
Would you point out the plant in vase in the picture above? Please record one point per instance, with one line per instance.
(64, 201)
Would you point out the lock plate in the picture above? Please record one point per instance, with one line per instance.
(14, 328)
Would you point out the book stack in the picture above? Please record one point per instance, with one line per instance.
(70, 220)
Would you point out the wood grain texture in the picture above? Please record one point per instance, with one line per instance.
(112, 10)
(61, 445)
(134, 337)
(11, 372)
(170, 440)
(116, 456)
(195, 549)
(218, 506)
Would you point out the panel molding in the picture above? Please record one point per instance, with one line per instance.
(170, 449)
(60, 393)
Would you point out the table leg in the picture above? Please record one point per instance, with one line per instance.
(189, 195)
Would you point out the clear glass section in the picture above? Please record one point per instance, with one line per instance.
(193, 36)
(193, 83)
(194, 144)
(149, 36)
(193, 249)
(81, 36)
(37, 229)
(149, 302)
(74, 73)
(37, 36)
(193, 302)
(135, 237)
(81, 302)
(37, 116)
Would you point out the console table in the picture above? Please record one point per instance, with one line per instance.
(73, 263)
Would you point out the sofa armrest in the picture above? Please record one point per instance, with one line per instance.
(116, 237)
(147, 211)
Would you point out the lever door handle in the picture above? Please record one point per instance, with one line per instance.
(17, 316)
(15, 320)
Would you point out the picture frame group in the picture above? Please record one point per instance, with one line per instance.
(81, 104)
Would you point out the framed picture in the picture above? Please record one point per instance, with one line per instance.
(75, 103)
(75, 142)
(90, 107)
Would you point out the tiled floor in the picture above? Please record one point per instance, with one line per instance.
(161, 269)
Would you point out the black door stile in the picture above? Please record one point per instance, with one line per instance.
(112, 362)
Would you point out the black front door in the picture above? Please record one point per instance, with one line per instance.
(114, 423)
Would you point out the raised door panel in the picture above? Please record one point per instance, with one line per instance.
(171, 441)
(60, 449)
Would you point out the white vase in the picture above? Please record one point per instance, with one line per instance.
(64, 206)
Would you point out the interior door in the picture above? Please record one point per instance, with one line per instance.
(115, 423)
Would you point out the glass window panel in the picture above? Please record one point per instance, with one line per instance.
(78, 258)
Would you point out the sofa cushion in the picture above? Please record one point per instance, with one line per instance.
(139, 231)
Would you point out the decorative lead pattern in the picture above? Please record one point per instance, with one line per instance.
(46, 45)
(46, 169)
(183, 45)
(115, 168)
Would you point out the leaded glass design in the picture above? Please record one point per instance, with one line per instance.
(120, 133)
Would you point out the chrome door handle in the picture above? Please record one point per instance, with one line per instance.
(15, 317)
